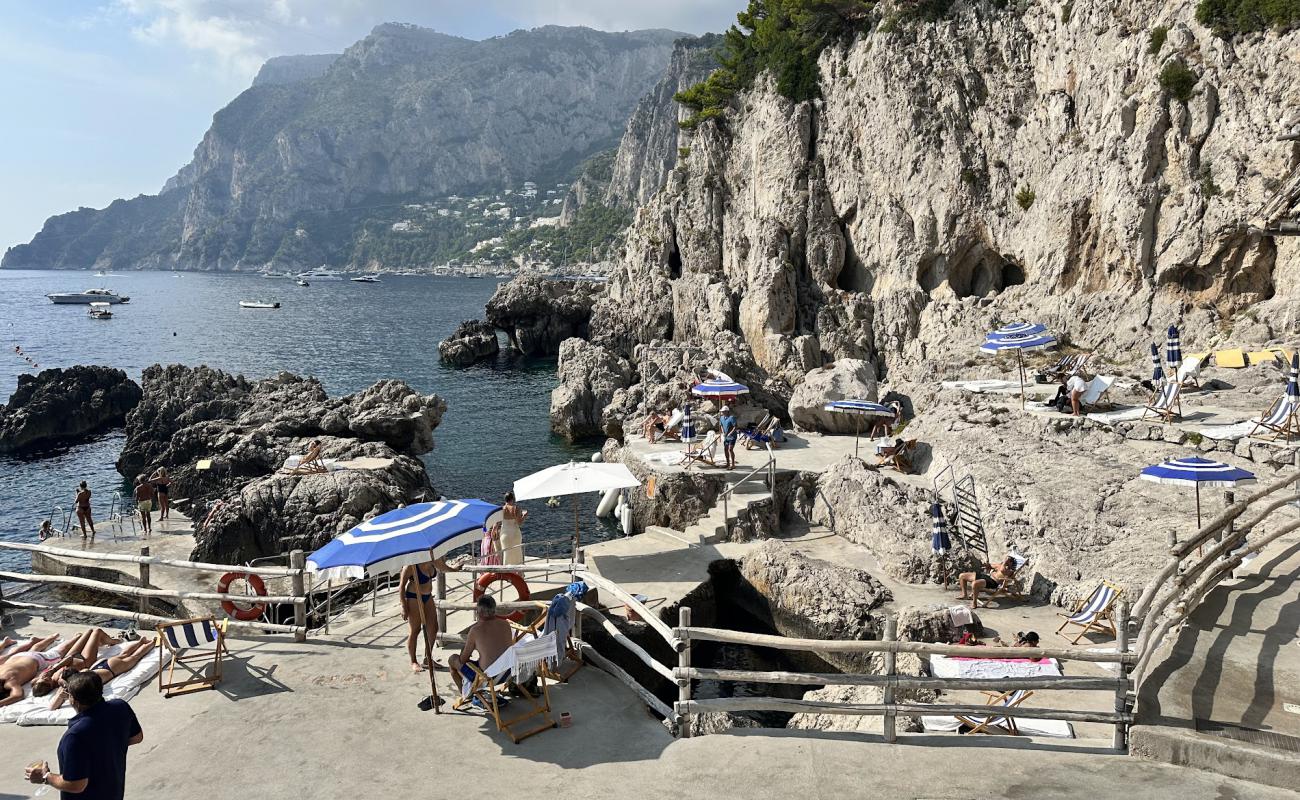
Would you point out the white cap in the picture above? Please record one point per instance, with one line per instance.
(726, 408)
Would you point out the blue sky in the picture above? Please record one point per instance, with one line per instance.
(107, 98)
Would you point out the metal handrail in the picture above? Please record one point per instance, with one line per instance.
(769, 465)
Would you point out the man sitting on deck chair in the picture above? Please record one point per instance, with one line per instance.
(490, 635)
(992, 580)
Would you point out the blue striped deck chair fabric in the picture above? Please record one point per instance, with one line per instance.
(1281, 419)
(198, 647)
(1002, 723)
(1095, 613)
(1165, 403)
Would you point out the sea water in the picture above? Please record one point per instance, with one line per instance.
(348, 335)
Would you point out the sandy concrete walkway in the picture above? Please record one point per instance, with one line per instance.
(337, 719)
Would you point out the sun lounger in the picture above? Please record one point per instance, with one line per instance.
(202, 641)
(994, 722)
(1230, 359)
(1015, 587)
(1281, 420)
(516, 667)
(706, 453)
(1094, 613)
(1097, 395)
(900, 460)
(1165, 404)
(760, 435)
(1189, 372)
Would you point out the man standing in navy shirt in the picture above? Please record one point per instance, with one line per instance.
(92, 754)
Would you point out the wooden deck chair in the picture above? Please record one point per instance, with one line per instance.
(1080, 363)
(1055, 368)
(199, 641)
(1282, 419)
(893, 459)
(1097, 395)
(1189, 372)
(706, 453)
(515, 668)
(761, 433)
(1165, 404)
(1014, 588)
(1096, 613)
(999, 722)
(567, 660)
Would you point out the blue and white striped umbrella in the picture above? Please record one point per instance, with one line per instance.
(688, 427)
(719, 386)
(1293, 378)
(862, 408)
(1198, 472)
(403, 536)
(939, 541)
(1035, 337)
(1157, 371)
(1173, 350)
(1018, 329)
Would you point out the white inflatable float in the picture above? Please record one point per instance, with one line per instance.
(607, 503)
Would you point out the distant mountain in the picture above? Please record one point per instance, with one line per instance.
(292, 171)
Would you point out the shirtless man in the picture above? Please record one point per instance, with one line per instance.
(490, 636)
(991, 580)
(31, 644)
(22, 668)
(106, 668)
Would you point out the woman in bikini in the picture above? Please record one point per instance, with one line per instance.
(106, 668)
(417, 579)
(37, 664)
(82, 502)
(161, 485)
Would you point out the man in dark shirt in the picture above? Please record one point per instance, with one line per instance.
(92, 754)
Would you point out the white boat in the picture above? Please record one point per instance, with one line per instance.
(302, 282)
(86, 297)
(100, 311)
(321, 274)
(257, 304)
(365, 279)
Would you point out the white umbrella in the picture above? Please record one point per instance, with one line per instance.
(575, 477)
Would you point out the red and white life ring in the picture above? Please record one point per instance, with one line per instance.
(237, 610)
(514, 579)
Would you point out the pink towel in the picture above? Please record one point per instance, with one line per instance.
(1007, 660)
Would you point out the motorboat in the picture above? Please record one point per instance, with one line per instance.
(302, 282)
(100, 310)
(257, 304)
(322, 274)
(87, 297)
(365, 279)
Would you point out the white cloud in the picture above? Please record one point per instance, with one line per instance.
(239, 35)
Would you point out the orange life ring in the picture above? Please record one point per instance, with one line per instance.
(246, 614)
(514, 579)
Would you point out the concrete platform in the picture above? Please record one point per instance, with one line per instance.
(337, 718)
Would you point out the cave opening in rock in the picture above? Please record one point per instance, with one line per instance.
(674, 259)
(977, 271)
(854, 276)
(1012, 275)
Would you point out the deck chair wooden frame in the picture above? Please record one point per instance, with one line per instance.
(761, 432)
(195, 658)
(909, 447)
(557, 672)
(1189, 372)
(1166, 409)
(1282, 419)
(490, 691)
(706, 453)
(1103, 621)
(998, 700)
(1094, 400)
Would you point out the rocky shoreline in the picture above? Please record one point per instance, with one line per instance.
(65, 405)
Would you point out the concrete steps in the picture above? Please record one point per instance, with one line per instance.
(712, 527)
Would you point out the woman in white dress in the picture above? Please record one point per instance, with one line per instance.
(512, 535)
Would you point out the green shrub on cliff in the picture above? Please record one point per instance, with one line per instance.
(784, 37)
(1230, 17)
(1178, 79)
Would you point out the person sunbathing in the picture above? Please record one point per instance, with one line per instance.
(311, 462)
(30, 666)
(895, 455)
(655, 425)
(992, 580)
(491, 636)
(106, 668)
(33, 643)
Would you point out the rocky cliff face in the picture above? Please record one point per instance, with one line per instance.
(538, 314)
(994, 166)
(404, 113)
(65, 404)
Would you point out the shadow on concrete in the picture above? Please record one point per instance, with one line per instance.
(242, 680)
(949, 740)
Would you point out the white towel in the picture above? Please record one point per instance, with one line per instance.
(1122, 415)
(959, 616)
(1229, 433)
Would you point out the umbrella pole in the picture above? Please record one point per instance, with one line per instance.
(577, 534)
(428, 644)
(1020, 365)
(1200, 548)
(857, 431)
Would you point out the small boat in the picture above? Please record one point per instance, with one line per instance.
(302, 282)
(87, 297)
(257, 304)
(100, 311)
(365, 279)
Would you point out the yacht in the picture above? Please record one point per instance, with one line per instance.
(86, 297)
(371, 278)
(322, 274)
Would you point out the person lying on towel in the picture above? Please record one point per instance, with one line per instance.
(490, 636)
(106, 668)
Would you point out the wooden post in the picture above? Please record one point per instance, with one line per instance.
(887, 694)
(684, 684)
(298, 560)
(440, 592)
(1228, 497)
(143, 603)
(1121, 692)
(726, 514)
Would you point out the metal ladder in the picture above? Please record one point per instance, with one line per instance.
(968, 523)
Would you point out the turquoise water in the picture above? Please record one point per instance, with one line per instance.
(348, 335)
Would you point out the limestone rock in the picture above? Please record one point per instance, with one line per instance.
(589, 376)
(472, 341)
(64, 405)
(537, 314)
(845, 379)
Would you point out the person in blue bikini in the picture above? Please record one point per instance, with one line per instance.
(106, 668)
(418, 579)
